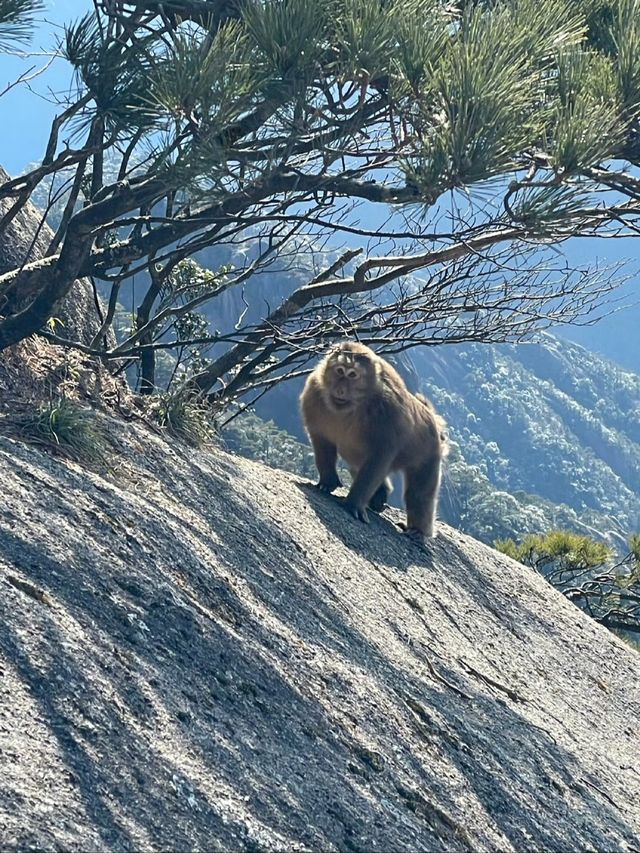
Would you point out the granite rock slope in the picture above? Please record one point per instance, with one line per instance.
(199, 652)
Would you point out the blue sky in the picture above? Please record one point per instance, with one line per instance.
(27, 111)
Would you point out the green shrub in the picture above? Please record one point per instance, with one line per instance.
(562, 548)
(586, 571)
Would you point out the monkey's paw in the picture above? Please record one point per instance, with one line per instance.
(329, 485)
(358, 512)
(413, 533)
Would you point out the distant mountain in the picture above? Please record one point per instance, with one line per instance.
(550, 420)
(615, 335)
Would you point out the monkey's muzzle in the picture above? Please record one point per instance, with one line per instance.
(340, 403)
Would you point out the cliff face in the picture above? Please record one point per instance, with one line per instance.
(201, 652)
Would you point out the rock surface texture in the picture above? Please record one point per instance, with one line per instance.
(198, 652)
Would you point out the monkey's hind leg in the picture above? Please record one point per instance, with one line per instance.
(326, 456)
(381, 496)
(421, 499)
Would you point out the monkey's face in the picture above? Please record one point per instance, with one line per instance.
(348, 378)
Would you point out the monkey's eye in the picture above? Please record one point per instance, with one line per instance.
(339, 370)
(352, 374)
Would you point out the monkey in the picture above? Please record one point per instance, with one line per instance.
(356, 405)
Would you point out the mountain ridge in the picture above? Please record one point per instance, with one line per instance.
(548, 418)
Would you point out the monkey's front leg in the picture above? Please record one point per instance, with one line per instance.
(326, 456)
(366, 482)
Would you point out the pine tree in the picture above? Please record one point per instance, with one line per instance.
(277, 125)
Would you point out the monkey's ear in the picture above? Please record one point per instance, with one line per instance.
(335, 348)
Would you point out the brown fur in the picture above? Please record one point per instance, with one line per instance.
(356, 405)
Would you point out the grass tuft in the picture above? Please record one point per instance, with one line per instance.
(65, 427)
(186, 416)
